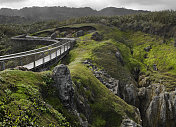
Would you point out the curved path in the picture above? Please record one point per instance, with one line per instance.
(37, 57)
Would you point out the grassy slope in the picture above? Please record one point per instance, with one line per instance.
(23, 98)
(103, 55)
(161, 54)
(25, 95)
(22, 103)
(107, 109)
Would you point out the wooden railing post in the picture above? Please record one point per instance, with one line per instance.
(43, 57)
(21, 63)
(67, 45)
(50, 54)
(60, 50)
(34, 61)
(56, 52)
(71, 45)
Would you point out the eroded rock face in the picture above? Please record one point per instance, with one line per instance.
(96, 36)
(64, 85)
(54, 35)
(80, 33)
(158, 106)
(127, 92)
(21, 68)
(111, 83)
(129, 123)
(69, 96)
(119, 57)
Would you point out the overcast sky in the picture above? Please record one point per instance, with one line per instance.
(95, 4)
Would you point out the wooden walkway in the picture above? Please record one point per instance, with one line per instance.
(37, 57)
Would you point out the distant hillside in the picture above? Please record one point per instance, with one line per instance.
(63, 13)
(112, 11)
(12, 19)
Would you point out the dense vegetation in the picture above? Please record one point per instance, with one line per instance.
(159, 23)
(34, 94)
(144, 40)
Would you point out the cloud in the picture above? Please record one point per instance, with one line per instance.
(149, 4)
(95, 4)
(11, 1)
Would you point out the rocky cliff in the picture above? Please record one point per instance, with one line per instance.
(127, 68)
(84, 99)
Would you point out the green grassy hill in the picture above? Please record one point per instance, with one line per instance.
(30, 99)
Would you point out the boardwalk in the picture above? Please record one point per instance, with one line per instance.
(37, 57)
(46, 58)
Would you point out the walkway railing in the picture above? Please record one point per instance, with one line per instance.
(37, 57)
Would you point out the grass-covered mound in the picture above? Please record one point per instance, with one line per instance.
(106, 108)
(22, 103)
(132, 47)
(161, 54)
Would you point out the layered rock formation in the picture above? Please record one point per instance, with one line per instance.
(157, 106)
(78, 103)
(67, 94)
(63, 83)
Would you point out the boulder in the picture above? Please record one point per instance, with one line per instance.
(119, 57)
(21, 68)
(54, 35)
(129, 123)
(64, 85)
(64, 34)
(80, 33)
(129, 93)
(96, 36)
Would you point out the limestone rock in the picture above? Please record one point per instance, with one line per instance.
(111, 83)
(64, 33)
(21, 68)
(119, 57)
(144, 81)
(129, 123)
(64, 85)
(54, 35)
(96, 36)
(158, 106)
(80, 33)
(129, 93)
(69, 96)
